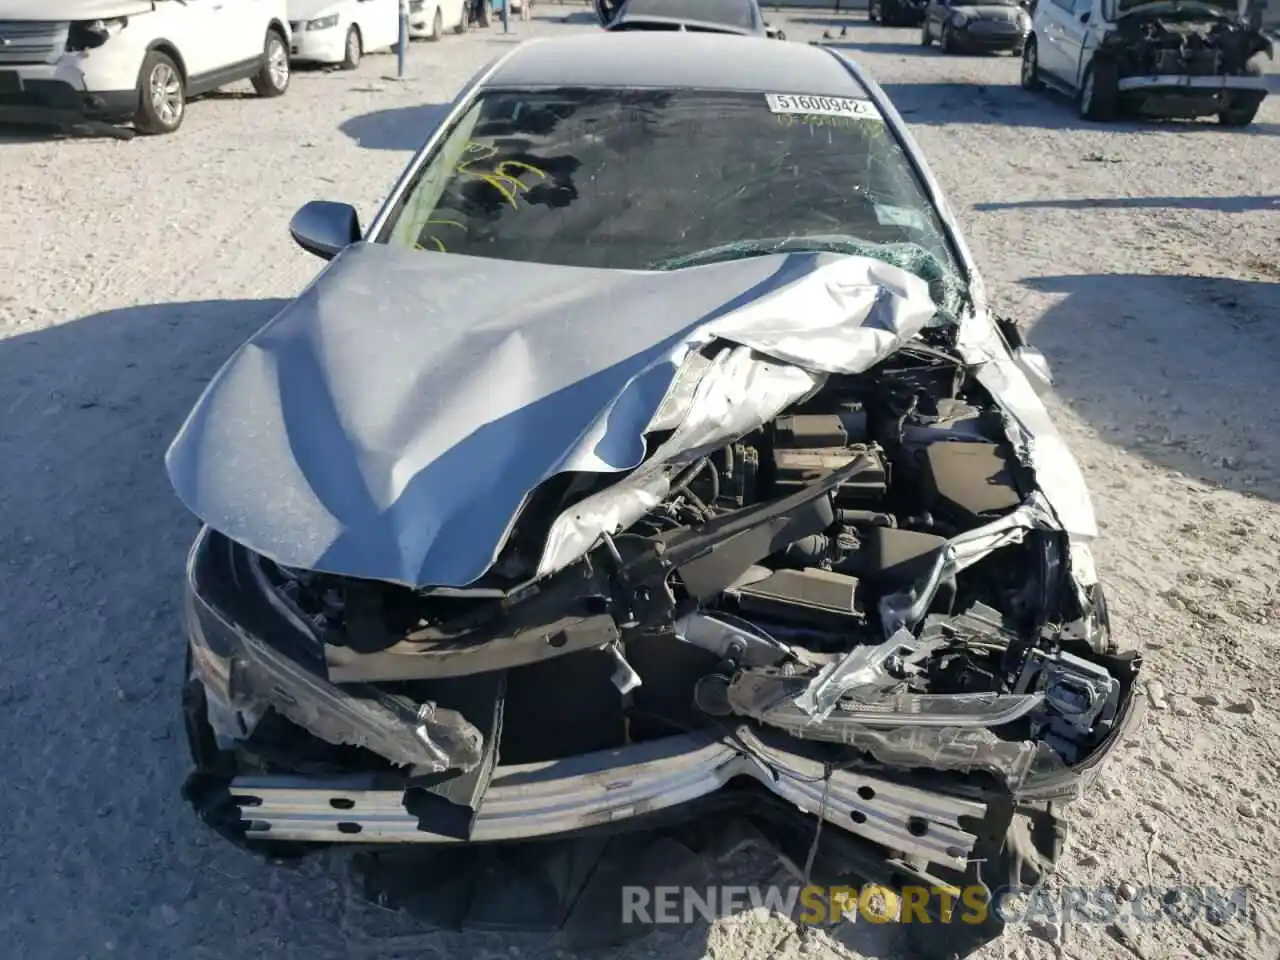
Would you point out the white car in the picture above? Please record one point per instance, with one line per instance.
(428, 19)
(72, 62)
(342, 31)
(1162, 58)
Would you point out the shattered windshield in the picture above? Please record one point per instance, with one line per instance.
(658, 179)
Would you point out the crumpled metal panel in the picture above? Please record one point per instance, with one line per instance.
(391, 421)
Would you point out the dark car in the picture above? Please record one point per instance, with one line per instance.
(897, 13)
(699, 16)
(978, 26)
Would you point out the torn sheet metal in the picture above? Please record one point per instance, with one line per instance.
(1034, 436)
(391, 421)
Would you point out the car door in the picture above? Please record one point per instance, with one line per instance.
(1051, 19)
(198, 30)
(244, 27)
(379, 22)
(936, 13)
(1075, 28)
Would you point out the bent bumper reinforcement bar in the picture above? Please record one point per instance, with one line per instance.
(544, 799)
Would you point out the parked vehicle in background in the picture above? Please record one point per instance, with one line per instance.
(1166, 59)
(983, 26)
(428, 19)
(342, 31)
(134, 60)
(742, 17)
(896, 13)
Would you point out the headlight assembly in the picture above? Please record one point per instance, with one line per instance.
(89, 34)
(323, 23)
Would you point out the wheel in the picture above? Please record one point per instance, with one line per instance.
(162, 98)
(464, 24)
(1242, 115)
(948, 41)
(437, 26)
(354, 49)
(1100, 91)
(273, 77)
(1031, 66)
(925, 39)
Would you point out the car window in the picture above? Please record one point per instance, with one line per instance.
(635, 179)
(733, 12)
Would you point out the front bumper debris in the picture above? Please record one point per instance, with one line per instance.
(597, 790)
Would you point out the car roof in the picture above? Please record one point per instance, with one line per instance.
(676, 60)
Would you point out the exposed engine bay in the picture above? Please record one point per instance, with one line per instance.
(866, 572)
(1194, 41)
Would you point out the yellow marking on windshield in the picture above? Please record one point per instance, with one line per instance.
(501, 177)
(433, 238)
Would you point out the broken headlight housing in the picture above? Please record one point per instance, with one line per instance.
(90, 34)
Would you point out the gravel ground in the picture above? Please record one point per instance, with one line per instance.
(1144, 257)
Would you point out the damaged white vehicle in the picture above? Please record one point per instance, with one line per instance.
(653, 446)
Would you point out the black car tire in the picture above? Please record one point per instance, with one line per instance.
(1243, 115)
(437, 26)
(161, 89)
(948, 41)
(1031, 65)
(1100, 91)
(272, 78)
(353, 50)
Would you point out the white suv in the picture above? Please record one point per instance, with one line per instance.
(71, 62)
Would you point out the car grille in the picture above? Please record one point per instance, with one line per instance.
(32, 41)
(994, 28)
(297, 25)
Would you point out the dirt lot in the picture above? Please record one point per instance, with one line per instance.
(1145, 257)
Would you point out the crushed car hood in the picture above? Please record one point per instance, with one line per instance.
(391, 421)
(72, 9)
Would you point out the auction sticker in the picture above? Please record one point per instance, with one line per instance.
(807, 105)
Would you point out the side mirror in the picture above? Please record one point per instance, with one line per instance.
(1035, 367)
(774, 33)
(325, 228)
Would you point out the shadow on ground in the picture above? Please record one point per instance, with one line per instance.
(92, 544)
(1199, 395)
(400, 128)
(1216, 204)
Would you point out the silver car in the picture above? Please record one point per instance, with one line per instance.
(655, 441)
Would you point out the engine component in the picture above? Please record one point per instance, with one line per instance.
(808, 446)
(971, 483)
(821, 430)
(890, 557)
(1080, 704)
(815, 596)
